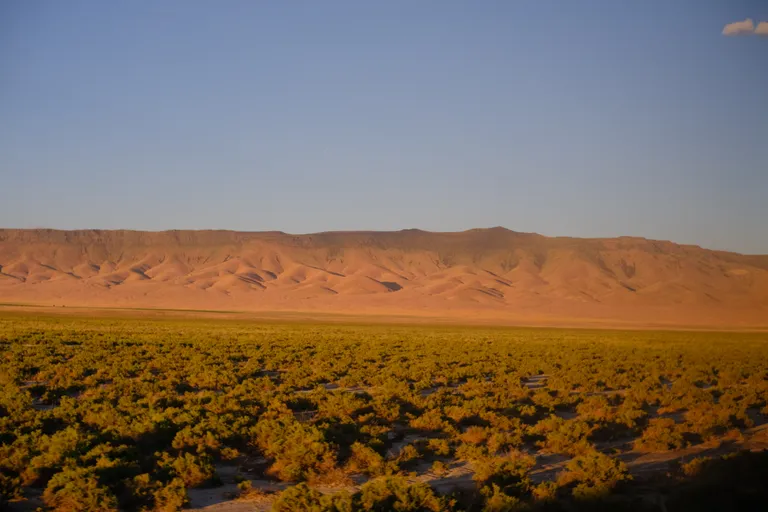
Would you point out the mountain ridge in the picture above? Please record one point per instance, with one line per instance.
(486, 272)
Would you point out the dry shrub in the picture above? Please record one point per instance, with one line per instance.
(593, 475)
(661, 434)
(474, 435)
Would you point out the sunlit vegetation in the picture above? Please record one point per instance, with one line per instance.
(119, 414)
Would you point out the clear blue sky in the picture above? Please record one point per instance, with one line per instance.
(581, 118)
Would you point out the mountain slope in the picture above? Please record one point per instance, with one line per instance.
(481, 273)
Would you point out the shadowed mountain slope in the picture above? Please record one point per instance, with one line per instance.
(481, 273)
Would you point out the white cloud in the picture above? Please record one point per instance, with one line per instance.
(762, 28)
(738, 28)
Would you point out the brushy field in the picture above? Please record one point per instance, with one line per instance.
(145, 414)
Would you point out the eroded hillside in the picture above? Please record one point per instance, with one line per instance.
(483, 273)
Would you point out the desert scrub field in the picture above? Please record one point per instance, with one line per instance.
(131, 414)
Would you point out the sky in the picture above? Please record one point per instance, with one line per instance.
(566, 118)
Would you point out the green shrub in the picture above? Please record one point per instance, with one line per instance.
(299, 451)
(78, 490)
(394, 493)
(593, 475)
(497, 500)
(303, 498)
(193, 470)
(365, 460)
(661, 434)
(171, 497)
(509, 473)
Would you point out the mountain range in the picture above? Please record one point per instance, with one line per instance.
(493, 275)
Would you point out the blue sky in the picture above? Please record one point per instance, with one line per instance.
(580, 118)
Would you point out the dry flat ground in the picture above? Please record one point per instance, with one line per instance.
(483, 275)
(323, 317)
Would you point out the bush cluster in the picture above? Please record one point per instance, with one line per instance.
(126, 414)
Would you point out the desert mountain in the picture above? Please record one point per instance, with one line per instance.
(477, 274)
